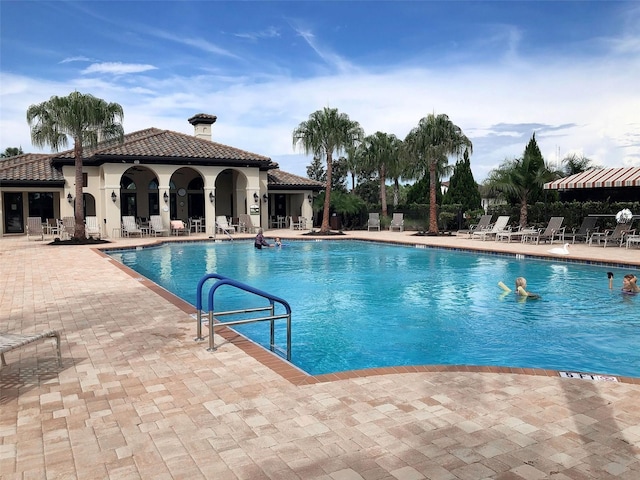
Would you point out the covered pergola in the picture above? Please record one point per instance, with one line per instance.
(614, 184)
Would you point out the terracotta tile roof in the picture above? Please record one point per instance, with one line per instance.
(276, 178)
(166, 146)
(30, 167)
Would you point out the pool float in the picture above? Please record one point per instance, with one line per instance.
(504, 287)
(524, 293)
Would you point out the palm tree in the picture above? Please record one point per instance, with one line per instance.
(327, 132)
(381, 152)
(84, 118)
(430, 144)
(573, 164)
(520, 179)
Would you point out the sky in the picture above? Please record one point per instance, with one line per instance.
(568, 71)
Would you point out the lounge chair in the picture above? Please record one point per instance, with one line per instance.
(617, 235)
(92, 227)
(374, 222)
(498, 227)
(483, 224)
(130, 227)
(12, 341)
(397, 222)
(222, 225)
(156, 226)
(585, 231)
(520, 234)
(247, 224)
(35, 228)
(178, 227)
(554, 230)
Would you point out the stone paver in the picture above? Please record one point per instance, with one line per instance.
(138, 398)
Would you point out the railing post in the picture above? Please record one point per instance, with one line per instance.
(272, 342)
(211, 345)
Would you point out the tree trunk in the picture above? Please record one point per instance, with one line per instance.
(396, 192)
(433, 210)
(324, 228)
(383, 192)
(79, 232)
(524, 214)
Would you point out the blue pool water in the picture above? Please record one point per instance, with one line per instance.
(361, 304)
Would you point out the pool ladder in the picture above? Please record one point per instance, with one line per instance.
(213, 316)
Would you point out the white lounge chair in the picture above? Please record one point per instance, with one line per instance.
(222, 225)
(615, 236)
(35, 228)
(156, 226)
(397, 222)
(92, 227)
(130, 227)
(499, 226)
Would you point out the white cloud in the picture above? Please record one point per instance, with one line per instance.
(117, 68)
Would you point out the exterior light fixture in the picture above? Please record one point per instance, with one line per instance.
(255, 197)
(69, 198)
(310, 198)
(212, 197)
(166, 197)
(265, 198)
(114, 197)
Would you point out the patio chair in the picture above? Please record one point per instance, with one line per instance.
(499, 226)
(374, 222)
(178, 227)
(483, 224)
(296, 223)
(617, 235)
(52, 227)
(397, 222)
(13, 341)
(587, 228)
(156, 226)
(69, 226)
(247, 224)
(35, 228)
(554, 230)
(92, 227)
(222, 225)
(130, 227)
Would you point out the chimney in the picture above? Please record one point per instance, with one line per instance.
(202, 125)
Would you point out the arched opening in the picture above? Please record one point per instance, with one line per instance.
(186, 194)
(139, 193)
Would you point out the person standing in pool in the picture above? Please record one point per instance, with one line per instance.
(260, 242)
(610, 277)
(630, 283)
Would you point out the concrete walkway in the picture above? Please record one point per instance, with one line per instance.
(138, 398)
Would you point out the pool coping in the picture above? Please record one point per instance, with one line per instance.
(297, 376)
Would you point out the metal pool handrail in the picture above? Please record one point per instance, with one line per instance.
(222, 280)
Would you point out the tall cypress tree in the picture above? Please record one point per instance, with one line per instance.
(533, 154)
(463, 189)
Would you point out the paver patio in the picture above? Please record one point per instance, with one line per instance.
(136, 397)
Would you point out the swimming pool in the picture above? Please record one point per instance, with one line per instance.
(362, 304)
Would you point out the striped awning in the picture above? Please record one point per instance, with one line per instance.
(598, 178)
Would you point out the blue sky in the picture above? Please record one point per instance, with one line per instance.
(568, 71)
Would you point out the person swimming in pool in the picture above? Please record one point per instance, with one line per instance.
(630, 283)
(610, 277)
(521, 288)
(278, 242)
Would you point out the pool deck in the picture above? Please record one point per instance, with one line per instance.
(137, 397)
